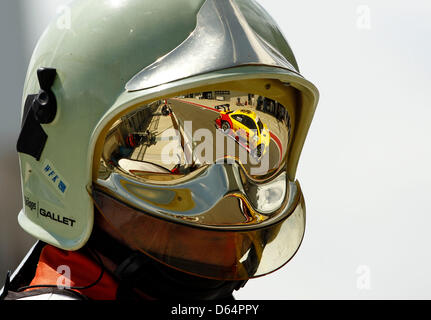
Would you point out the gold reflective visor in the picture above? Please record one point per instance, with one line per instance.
(222, 254)
(171, 138)
(199, 182)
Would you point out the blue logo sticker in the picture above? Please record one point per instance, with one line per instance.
(55, 178)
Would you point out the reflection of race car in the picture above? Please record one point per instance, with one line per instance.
(224, 107)
(246, 126)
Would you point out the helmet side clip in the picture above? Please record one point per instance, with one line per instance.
(39, 109)
(45, 103)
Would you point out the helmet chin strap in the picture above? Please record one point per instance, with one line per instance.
(140, 276)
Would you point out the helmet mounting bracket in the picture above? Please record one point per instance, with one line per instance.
(39, 109)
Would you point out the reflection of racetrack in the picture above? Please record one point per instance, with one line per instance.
(204, 117)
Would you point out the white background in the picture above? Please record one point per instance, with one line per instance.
(365, 166)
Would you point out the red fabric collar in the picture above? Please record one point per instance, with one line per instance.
(83, 271)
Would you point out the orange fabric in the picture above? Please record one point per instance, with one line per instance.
(83, 272)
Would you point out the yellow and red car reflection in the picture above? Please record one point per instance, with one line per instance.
(246, 126)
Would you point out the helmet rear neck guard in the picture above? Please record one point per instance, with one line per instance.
(90, 93)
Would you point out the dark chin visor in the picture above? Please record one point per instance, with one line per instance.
(220, 254)
(199, 183)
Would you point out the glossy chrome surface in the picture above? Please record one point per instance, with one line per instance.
(223, 254)
(222, 39)
(194, 160)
